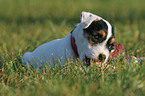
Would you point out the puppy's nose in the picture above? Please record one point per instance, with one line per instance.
(102, 57)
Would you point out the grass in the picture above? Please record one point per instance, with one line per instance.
(26, 24)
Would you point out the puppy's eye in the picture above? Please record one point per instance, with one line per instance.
(96, 37)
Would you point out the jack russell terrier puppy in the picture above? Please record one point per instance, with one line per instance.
(91, 40)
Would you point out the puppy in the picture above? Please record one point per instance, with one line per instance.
(91, 41)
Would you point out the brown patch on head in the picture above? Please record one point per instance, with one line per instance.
(102, 33)
(112, 41)
(89, 37)
(91, 42)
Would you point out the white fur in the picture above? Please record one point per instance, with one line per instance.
(60, 48)
(44, 54)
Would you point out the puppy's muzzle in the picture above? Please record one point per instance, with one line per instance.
(101, 57)
(88, 61)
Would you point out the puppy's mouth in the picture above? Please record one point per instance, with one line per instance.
(88, 61)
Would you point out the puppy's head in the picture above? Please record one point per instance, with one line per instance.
(94, 38)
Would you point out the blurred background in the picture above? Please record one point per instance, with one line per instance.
(31, 11)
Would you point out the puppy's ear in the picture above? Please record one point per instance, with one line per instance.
(87, 18)
(84, 16)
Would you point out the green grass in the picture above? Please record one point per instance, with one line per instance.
(26, 24)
